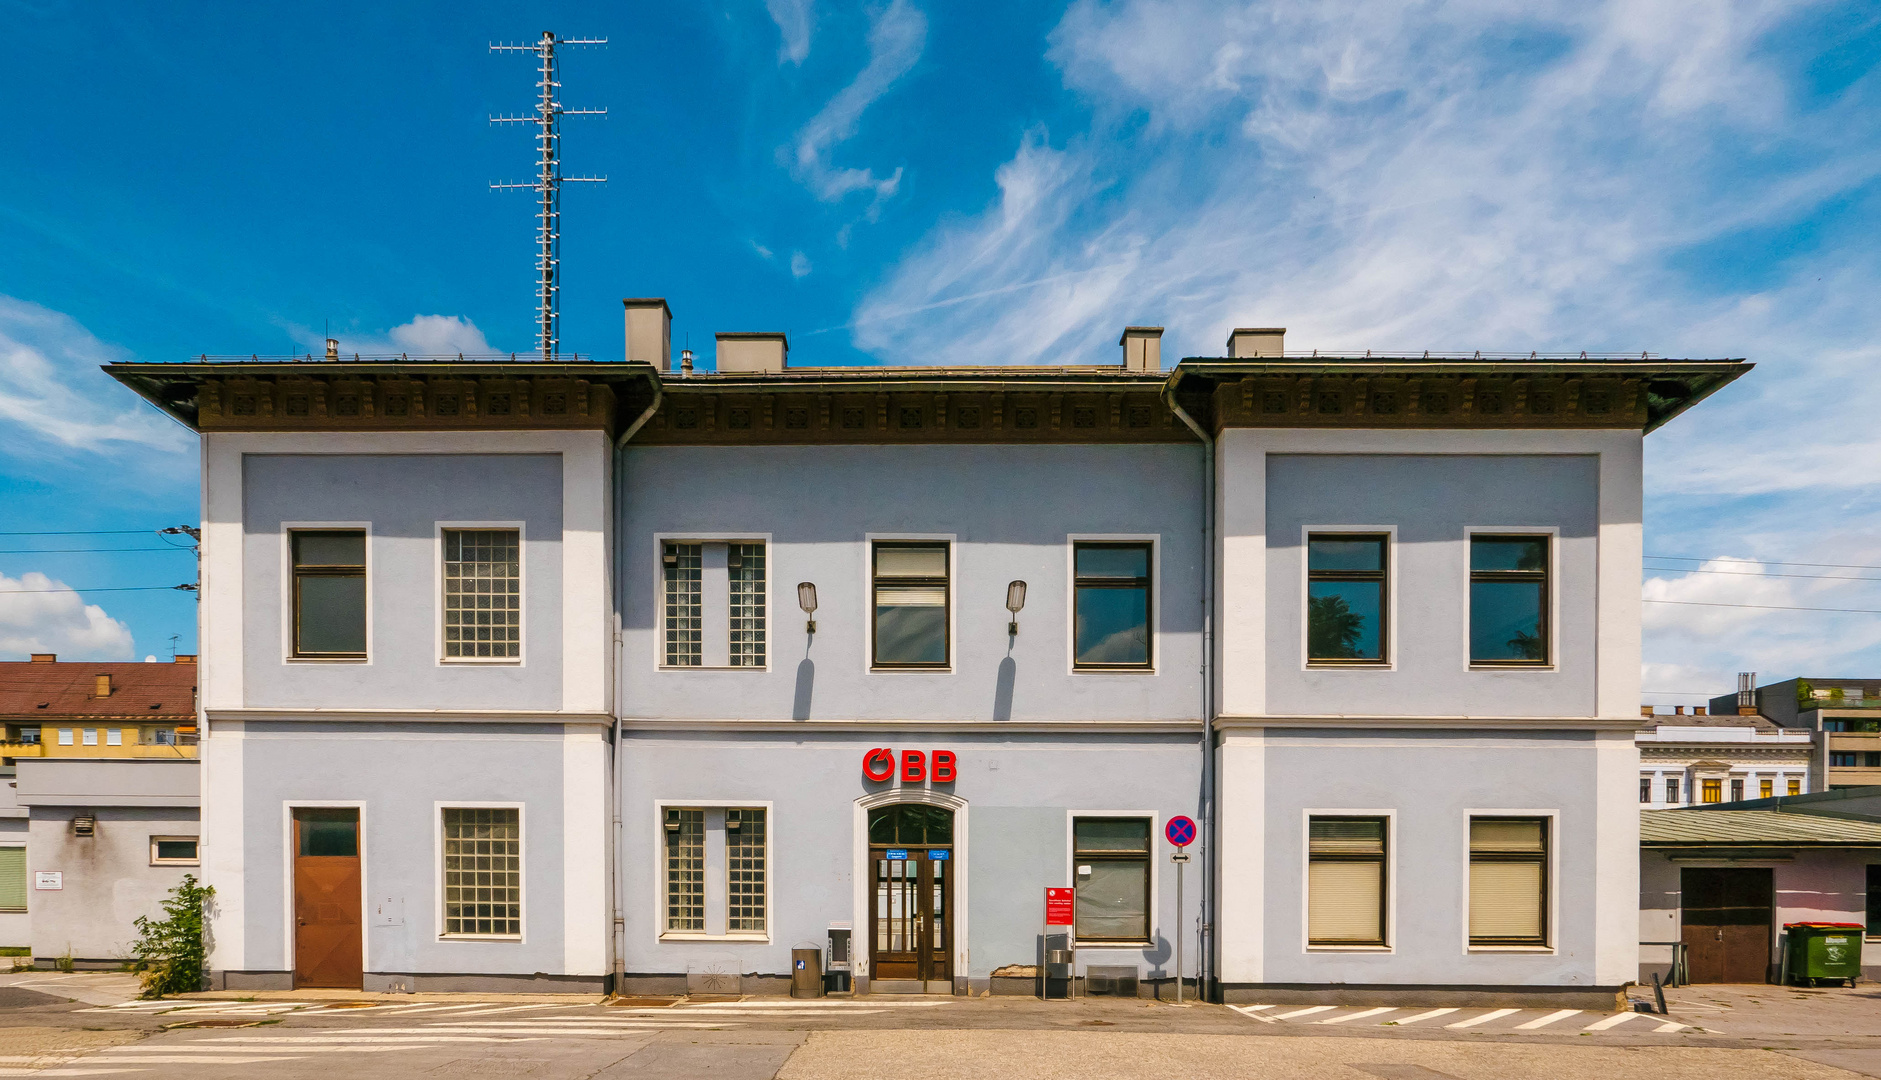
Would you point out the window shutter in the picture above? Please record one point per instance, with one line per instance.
(12, 879)
(1343, 901)
(1505, 900)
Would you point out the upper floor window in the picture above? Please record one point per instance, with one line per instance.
(1508, 600)
(911, 596)
(1345, 598)
(684, 622)
(1645, 788)
(1111, 626)
(329, 593)
(744, 565)
(482, 594)
(714, 603)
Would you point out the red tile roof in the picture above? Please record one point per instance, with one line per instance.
(153, 691)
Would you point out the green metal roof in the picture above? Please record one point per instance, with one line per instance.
(1760, 828)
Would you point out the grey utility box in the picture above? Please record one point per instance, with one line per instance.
(1110, 981)
(806, 973)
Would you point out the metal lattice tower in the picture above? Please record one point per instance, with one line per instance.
(548, 182)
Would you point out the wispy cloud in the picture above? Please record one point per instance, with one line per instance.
(799, 264)
(53, 398)
(39, 614)
(424, 335)
(897, 35)
(793, 19)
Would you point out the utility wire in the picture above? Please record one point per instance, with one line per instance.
(82, 532)
(1772, 562)
(119, 588)
(1753, 573)
(1767, 607)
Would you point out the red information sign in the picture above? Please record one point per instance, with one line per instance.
(1058, 907)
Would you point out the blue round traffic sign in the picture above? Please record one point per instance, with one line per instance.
(1180, 830)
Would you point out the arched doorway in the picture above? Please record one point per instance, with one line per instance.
(911, 901)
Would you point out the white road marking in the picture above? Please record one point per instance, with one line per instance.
(1355, 1016)
(1252, 1013)
(248, 1041)
(200, 1059)
(1668, 1026)
(1431, 1015)
(1308, 1011)
(521, 1008)
(1612, 1021)
(1544, 1021)
(1493, 1014)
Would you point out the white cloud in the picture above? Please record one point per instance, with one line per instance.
(793, 19)
(52, 393)
(38, 614)
(799, 264)
(897, 36)
(424, 335)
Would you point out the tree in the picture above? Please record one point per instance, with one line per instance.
(1526, 646)
(1332, 629)
(172, 953)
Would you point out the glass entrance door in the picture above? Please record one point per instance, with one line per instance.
(911, 913)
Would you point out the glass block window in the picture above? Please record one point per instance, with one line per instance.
(685, 869)
(744, 870)
(483, 871)
(482, 594)
(685, 608)
(745, 565)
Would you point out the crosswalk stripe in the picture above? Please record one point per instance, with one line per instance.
(1308, 1011)
(1612, 1021)
(1668, 1026)
(1431, 1015)
(1252, 1013)
(522, 1008)
(1354, 1016)
(1493, 1014)
(1546, 1020)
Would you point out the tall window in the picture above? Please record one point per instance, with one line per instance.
(744, 869)
(745, 567)
(483, 871)
(685, 869)
(1345, 881)
(1508, 881)
(910, 604)
(1796, 785)
(1645, 788)
(1737, 790)
(685, 610)
(1112, 594)
(1345, 598)
(1508, 600)
(1713, 790)
(13, 879)
(1112, 856)
(329, 593)
(482, 594)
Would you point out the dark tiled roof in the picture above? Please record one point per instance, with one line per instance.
(152, 691)
(1762, 828)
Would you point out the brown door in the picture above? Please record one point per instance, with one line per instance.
(1727, 917)
(328, 946)
(910, 922)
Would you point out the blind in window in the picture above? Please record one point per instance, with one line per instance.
(1345, 901)
(1505, 900)
(12, 879)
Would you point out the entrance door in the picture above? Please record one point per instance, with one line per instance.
(1726, 919)
(328, 944)
(911, 914)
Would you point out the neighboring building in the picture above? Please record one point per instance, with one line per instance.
(105, 786)
(1716, 759)
(1725, 879)
(1846, 715)
(503, 656)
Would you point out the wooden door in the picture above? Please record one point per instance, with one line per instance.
(329, 946)
(911, 918)
(1726, 921)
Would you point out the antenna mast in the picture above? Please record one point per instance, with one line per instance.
(548, 182)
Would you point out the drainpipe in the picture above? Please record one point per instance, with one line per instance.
(1206, 960)
(618, 887)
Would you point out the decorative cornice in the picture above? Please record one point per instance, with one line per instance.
(408, 716)
(1511, 724)
(1016, 727)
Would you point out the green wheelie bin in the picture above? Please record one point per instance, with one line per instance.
(1823, 950)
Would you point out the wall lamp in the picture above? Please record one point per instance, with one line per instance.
(806, 599)
(1015, 600)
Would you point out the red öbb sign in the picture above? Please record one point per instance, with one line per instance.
(879, 765)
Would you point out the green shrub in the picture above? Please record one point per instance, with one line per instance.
(171, 953)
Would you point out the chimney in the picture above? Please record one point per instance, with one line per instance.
(185, 658)
(752, 352)
(1142, 348)
(101, 686)
(333, 348)
(45, 658)
(650, 331)
(1747, 693)
(1247, 342)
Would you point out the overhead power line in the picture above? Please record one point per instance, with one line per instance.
(114, 588)
(95, 551)
(1767, 607)
(1772, 562)
(1760, 573)
(82, 532)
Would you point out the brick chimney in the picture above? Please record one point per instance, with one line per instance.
(185, 658)
(45, 658)
(101, 686)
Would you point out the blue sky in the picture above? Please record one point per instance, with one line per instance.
(914, 182)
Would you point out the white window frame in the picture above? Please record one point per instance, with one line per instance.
(88, 736)
(1391, 879)
(437, 866)
(1155, 876)
(660, 934)
(66, 735)
(114, 736)
(28, 871)
(288, 529)
(714, 536)
(522, 589)
(157, 861)
(1392, 611)
(1155, 541)
(1553, 898)
(1553, 533)
(869, 540)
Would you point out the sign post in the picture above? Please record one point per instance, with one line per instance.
(1181, 833)
(1060, 910)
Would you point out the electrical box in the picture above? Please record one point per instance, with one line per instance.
(838, 949)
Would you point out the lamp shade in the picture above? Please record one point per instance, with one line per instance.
(806, 597)
(1015, 596)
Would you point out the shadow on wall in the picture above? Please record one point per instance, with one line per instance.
(806, 684)
(1002, 689)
